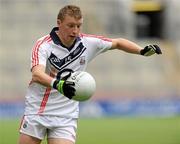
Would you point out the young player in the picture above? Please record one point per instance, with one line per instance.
(49, 109)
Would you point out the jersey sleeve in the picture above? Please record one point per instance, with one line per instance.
(39, 54)
(103, 45)
(97, 45)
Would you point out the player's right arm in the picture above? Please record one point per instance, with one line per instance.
(39, 76)
(63, 86)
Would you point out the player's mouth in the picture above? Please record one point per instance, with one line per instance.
(73, 37)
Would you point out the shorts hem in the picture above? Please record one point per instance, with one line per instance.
(72, 140)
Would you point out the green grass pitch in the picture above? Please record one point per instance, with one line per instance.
(112, 131)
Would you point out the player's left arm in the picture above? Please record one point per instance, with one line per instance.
(131, 47)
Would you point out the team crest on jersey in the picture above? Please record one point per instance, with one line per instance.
(82, 60)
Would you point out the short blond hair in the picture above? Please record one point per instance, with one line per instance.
(71, 10)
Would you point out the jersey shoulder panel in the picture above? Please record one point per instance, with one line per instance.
(38, 49)
(98, 37)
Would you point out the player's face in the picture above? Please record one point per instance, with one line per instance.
(69, 29)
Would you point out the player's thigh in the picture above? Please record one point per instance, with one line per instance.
(26, 139)
(59, 141)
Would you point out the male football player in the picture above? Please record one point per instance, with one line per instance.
(49, 110)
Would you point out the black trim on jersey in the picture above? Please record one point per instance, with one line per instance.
(62, 63)
(57, 40)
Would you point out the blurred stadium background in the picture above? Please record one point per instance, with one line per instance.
(127, 85)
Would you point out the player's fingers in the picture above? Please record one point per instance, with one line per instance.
(157, 49)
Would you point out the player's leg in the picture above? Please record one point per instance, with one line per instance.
(26, 139)
(59, 141)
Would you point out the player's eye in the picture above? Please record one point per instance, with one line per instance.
(71, 25)
(78, 26)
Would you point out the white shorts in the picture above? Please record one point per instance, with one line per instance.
(53, 126)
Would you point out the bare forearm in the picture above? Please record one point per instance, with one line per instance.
(126, 45)
(42, 78)
(39, 76)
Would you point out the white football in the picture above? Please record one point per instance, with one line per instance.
(85, 85)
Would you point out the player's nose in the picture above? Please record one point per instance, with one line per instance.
(76, 30)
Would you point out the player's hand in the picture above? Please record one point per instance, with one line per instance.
(66, 88)
(150, 50)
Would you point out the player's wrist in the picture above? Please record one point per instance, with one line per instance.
(54, 83)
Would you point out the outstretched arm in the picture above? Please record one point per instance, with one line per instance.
(131, 47)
